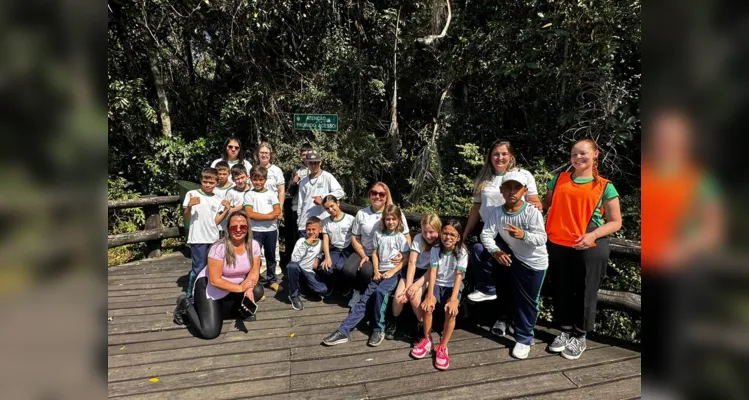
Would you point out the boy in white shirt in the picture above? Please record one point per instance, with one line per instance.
(235, 194)
(313, 188)
(263, 208)
(205, 210)
(522, 227)
(304, 264)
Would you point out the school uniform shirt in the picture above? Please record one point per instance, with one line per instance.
(305, 254)
(322, 185)
(236, 198)
(366, 223)
(417, 246)
(221, 192)
(203, 228)
(490, 197)
(233, 273)
(448, 264)
(387, 246)
(338, 231)
(531, 249)
(231, 164)
(275, 178)
(262, 202)
(293, 188)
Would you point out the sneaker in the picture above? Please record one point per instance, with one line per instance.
(262, 299)
(390, 330)
(521, 351)
(274, 287)
(335, 338)
(501, 328)
(422, 349)
(442, 361)
(181, 310)
(346, 292)
(478, 297)
(296, 303)
(331, 287)
(574, 349)
(354, 298)
(376, 338)
(560, 342)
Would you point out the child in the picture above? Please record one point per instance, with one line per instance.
(205, 210)
(304, 264)
(223, 183)
(313, 188)
(448, 265)
(262, 206)
(411, 286)
(336, 236)
(235, 194)
(521, 226)
(389, 241)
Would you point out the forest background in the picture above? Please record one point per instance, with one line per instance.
(421, 88)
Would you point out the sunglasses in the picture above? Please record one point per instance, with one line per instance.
(374, 193)
(233, 147)
(238, 228)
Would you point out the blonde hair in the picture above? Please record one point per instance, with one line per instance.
(434, 221)
(230, 258)
(395, 211)
(487, 171)
(388, 198)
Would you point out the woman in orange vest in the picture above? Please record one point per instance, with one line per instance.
(578, 244)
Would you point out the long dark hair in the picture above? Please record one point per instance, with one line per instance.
(240, 155)
(459, 247)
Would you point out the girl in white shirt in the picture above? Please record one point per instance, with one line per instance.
(233, 154)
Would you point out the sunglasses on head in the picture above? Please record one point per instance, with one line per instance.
(238, 228)
(233, 147)
(374, 193)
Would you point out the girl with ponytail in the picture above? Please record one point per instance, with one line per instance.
(578, 244)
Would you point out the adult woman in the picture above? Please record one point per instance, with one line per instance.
(275, 181)
(358, 267)
(486, 198)
(578, 244)
(233, 154)
(230, 275)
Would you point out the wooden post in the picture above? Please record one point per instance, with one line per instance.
(153, 221)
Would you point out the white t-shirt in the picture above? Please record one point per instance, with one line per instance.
(417, 246)
(303, 171)
(322, 185)
(203, 228)
(387, 246)
(231, 164)
(262, 203)
(236, 198)
(366, 223)
(305, 253)
(221, 192)
(448, 264)
(491, 198)
(339, 232)
(531, 249)
(275, 178)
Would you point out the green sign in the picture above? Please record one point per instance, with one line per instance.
(320, 122)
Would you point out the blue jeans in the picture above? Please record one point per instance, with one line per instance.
(267, 241)
(527, 290)
(199, 252)
(379, 291)
(296, 274)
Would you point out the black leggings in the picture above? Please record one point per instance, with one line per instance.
(352, 273)
(576, 277)
(207, 315)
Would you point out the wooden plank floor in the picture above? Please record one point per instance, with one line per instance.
(279, 356)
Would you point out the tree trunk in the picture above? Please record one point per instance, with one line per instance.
(393, 131)
(153, 61)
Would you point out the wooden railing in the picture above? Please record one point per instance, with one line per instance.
(154, 232)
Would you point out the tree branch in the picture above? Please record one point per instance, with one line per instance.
(393, 131)
(433, 39)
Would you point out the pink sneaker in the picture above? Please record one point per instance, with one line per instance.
(442, 361)
(422, 349)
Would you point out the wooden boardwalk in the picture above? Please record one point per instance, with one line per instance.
(279, 356)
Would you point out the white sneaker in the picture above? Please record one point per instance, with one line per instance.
(521, 351)
(477, 296)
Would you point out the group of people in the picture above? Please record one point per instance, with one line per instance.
(373, 256)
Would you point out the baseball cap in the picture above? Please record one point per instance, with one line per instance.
(313, 155)
(516, 176)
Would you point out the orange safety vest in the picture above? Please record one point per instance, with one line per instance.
(572, 207)
(666, 203)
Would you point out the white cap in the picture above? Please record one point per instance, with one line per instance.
(516, 176)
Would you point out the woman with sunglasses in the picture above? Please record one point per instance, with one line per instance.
(358, 267)
(232, 273)
(233, 154)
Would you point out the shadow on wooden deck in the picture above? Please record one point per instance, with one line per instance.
(279, 356)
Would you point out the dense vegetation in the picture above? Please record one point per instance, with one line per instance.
(183, 75)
